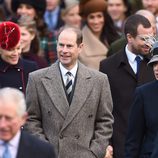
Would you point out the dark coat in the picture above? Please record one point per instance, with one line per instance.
(123, 82)
(41, 62)
(155, 149)
(143, 122)
(16, 76)
(32, 147)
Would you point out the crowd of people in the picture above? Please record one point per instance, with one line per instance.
(78, 78)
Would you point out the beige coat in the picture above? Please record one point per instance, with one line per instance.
(93, 50)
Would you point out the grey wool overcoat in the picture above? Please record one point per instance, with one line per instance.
(79, 130)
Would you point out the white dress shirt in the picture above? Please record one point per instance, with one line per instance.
(64, 71)
(13, 145)
(131, 59)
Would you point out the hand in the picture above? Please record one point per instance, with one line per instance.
(109, 152)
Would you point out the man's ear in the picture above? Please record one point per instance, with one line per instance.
(129, 37)
(80, 47)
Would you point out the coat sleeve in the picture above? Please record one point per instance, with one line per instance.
(136, 127)
(104, 120)
(34, 122)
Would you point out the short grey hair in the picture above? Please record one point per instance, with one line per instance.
(16, 96)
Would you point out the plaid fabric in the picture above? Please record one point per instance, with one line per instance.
(48, 44)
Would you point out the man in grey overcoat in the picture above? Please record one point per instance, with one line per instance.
(79, 123)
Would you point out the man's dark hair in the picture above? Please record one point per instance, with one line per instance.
(133, 22)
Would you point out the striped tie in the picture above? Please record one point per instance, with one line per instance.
(69, 84)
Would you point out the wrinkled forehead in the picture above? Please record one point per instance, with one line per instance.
(69, 35)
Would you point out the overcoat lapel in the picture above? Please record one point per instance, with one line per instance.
(54, 87)
(24, 147)
(129, 70)
(83, 88)
(123, 62)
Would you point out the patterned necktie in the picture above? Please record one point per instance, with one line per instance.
(69, 84)
(138, 60)
(6, 153)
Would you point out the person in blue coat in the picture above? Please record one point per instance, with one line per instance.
(143, 119)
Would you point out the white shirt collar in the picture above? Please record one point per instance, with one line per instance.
(15, 140)
(131, 59)
(131, 56)
(64, 70)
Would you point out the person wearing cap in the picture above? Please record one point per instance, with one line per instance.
(143, 118)
(98, 32)
(70, 14)
(13, 70)
(36, 9)
(29, 7)
(15, 142)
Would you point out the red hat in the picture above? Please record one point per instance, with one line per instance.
(9, 35)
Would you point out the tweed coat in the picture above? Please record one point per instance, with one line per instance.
(123, 82)
(79, 130)
(143, 122)
(32, 147)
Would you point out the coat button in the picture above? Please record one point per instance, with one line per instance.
(61, 136)
(77, 136)
(18, 69)
(90, 116)
(20, 88)
(49, 112)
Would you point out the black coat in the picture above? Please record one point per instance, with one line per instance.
(32, 147)
(155, 150)
(123, 82)
(143, 122)
(16, 76)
